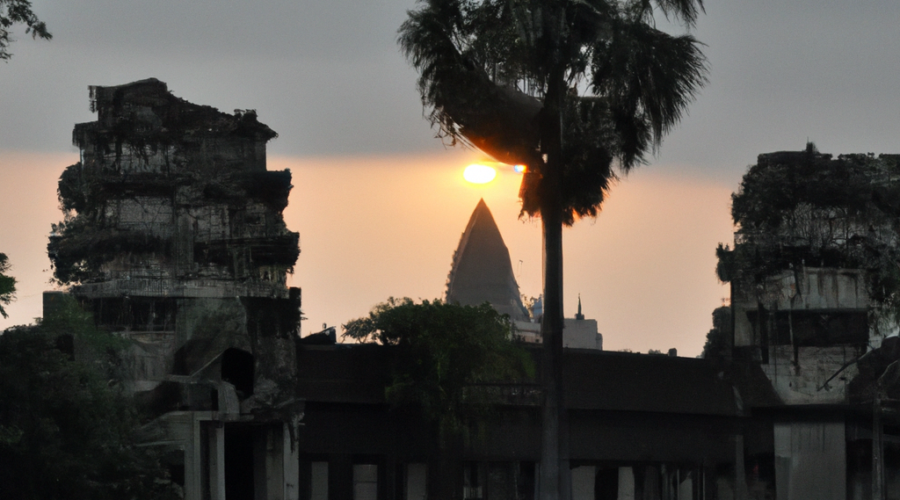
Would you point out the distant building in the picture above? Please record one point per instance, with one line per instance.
(482, 272)
(578, 333)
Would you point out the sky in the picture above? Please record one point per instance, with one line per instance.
(380, 203)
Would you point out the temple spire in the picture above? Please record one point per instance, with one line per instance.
(481, 270)
(579, 316)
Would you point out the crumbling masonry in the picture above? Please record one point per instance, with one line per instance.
(815, 296)
(174, 238)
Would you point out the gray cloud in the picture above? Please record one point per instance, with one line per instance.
(327, 75)
(783, 72)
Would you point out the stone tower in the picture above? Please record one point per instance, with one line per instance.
(174, 238)
(481, 270)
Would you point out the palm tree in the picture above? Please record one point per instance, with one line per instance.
(579, 91)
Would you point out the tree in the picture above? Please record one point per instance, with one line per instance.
(65, 431)
(447, 364)
(719, 340)
(447, 355)
(14, 12)
(568, 88)
(7, 285)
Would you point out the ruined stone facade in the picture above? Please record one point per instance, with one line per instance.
(174, 238)
(814, 296)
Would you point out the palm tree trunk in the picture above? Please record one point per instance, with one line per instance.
(554, 482)
(551, 331)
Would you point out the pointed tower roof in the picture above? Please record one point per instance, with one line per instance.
(481, 270)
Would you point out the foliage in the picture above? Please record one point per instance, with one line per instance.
(19, 12)
(78, 247)
(89, 236)
(491, 70)
(86, 239)
(805, 208)
(68, 318)
(449, 356)
(64, 432)
(719, 339)
(7, 285)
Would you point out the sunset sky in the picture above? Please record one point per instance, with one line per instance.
(380, 204)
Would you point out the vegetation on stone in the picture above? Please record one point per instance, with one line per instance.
(66, 429)
(147, 187)
(796, 209)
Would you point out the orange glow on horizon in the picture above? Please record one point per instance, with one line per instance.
(373, 227)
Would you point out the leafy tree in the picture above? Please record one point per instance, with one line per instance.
(448, 357)
(719, 339)
(19, 12)
(65, 432)
(7, 285)
(569, 88)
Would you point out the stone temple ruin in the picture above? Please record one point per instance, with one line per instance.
(174, 238)
(815, 290)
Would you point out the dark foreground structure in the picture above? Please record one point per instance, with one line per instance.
(797, 397)
(643, 427)
(174, 239)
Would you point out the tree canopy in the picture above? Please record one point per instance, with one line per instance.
(447, 356)
(7, 285)
(718, 344)
(65, 431)
(489, 68)
(14, 12)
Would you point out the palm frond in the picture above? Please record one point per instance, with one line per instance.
(685, 10)
(649, 77)
(465, 103)
(473, 57)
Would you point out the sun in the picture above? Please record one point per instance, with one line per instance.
(479, 174)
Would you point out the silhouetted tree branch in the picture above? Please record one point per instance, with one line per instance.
(14, 12)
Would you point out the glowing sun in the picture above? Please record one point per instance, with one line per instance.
(479, 174)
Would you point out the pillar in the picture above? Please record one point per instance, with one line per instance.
(216, 436)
